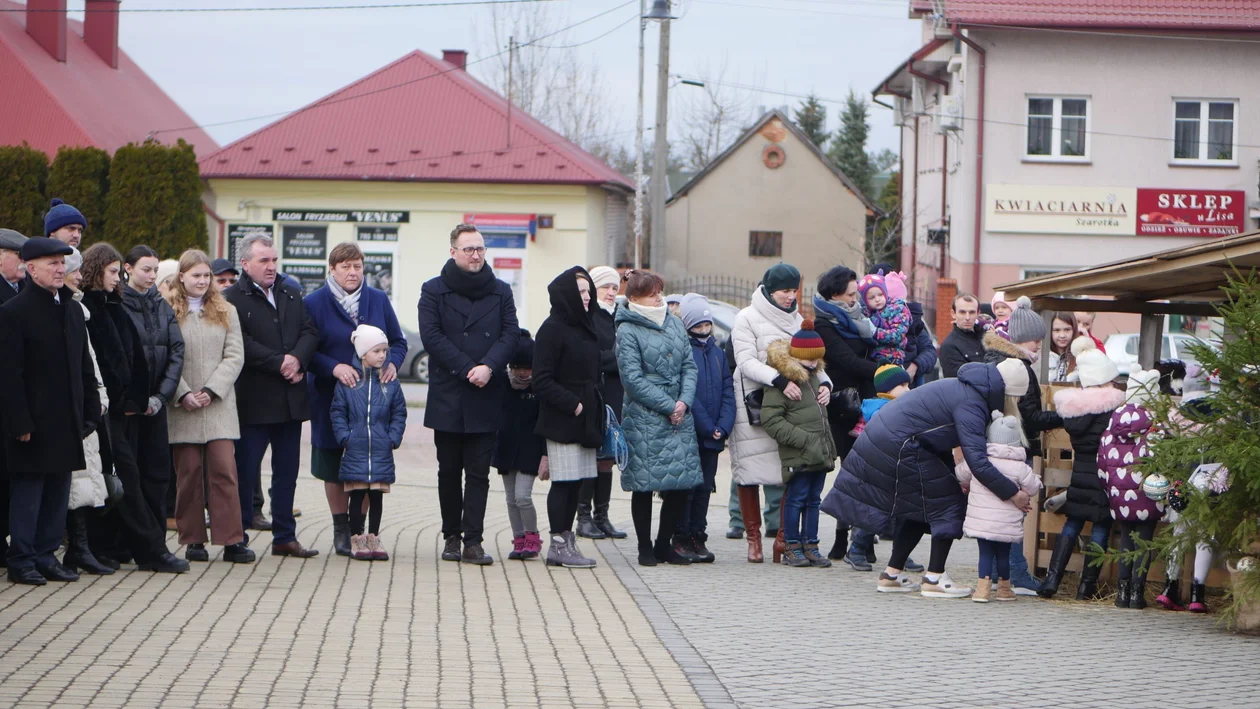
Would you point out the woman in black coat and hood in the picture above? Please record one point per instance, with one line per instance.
(594, 497)
(570, 411)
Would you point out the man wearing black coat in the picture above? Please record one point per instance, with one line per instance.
(469, 329)
(280, 341)
(50, 405)
(14, 277)
(965, 342)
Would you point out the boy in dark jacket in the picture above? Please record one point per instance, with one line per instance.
(714, 414)
(520, 455)
(806, 449)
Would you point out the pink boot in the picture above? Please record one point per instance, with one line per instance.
(518, 547)
(532, 547)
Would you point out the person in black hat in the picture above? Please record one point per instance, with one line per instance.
(13, 273)
(225, 274)
(50, 405)
(64, 223)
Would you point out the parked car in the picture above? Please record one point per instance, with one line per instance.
(1123, 348)
(415, 365)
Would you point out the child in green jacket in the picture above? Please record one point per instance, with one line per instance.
(806, 449)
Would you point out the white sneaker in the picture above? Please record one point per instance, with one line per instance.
(944, 588)
(900, 584)
(1021, 591)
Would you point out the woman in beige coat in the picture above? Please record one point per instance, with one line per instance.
(203, 422)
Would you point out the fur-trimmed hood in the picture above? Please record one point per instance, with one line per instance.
(1071, 403)
(996, 343)
(779, 356)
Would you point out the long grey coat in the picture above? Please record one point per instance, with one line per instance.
(213, 358)
(657, 370)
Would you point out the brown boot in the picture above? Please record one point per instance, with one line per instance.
(1004, 590)
(780, 545)
(981, 594)
(750, 509)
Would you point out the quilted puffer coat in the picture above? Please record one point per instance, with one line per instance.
(161, 337)
(657, 370)
(1121, 448)
(369, 420)
(902, 466)
(989, 517)
(754, 454)
(1086, 414)
(801, 427)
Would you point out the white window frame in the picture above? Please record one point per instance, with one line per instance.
(1041, 271)
(1204, 122)
(1056, 131)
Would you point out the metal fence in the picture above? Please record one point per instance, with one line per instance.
(728, 289)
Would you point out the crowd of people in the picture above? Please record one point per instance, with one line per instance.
(139, 390)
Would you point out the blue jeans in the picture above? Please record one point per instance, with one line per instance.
(862, 542)
(1101, 534)
(800, 507)
(995, 556)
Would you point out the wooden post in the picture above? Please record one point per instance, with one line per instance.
(1043, 363)
(1150, 340)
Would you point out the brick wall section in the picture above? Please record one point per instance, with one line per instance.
(946, 289)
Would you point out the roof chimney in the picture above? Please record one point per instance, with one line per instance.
(46, 22)
(100, 29)
(458, 57)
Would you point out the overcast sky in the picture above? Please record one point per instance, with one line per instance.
(227, 66)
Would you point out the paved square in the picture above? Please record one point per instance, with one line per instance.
(418, 632)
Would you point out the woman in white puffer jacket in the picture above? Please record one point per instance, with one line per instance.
(87, 486)
(754, 454)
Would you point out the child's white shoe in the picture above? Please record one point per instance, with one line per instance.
(359, 549)
(376, 552)
(943, 588)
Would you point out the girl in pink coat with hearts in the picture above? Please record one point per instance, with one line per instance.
(1122, 447)
(993, 522)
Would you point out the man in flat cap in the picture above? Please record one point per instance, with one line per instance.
(50, 405)
(11, 270)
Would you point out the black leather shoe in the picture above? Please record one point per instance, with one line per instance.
(260, 523)
(474, 554)
(196, 552)
(56, 572)
(166, 563)
(1122, 593)
(452, 552)
(238, 554)
(27, 576)
(108, 561)
(734, 532)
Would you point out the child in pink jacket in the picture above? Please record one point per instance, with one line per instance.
(993, 522)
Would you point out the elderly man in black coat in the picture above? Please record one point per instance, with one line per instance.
(14, 277)
(468, 326)
(280, 341)
(50, 405)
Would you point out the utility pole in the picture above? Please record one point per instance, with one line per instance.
(638, 149)
(511, 54)
(660, 156)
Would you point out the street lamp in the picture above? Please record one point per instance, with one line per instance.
(658, 13)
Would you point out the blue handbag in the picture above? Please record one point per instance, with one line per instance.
(614, 447)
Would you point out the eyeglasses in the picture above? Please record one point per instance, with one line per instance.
(473, 250)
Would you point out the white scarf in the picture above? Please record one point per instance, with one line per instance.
(196, 304)
(606, 307)
(654, 313)
(349, 302)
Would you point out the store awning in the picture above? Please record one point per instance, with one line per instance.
(1181, 281)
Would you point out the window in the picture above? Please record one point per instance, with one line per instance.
(1203, 131)
(1038, 272)
(765, 243)
(1058, 129)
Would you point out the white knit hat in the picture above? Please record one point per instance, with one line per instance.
(1143, 386)
(1014, 375)
(166, 269)
(1094, 367)
(365, 337)
(605, 276)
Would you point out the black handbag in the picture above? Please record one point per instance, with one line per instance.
(752, 402)
(849, 400)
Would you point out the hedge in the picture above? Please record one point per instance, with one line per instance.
(80, 177)
(155, 199)
(23, 175)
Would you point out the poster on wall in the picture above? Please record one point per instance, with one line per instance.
(378, 272)
(236, 233)
(310, 275)
(1180, 212)
(305, 242)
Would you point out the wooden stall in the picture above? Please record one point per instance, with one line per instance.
(1182, 281)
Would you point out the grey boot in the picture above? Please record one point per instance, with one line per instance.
(562, 553)
(586, 527)
(579, 561)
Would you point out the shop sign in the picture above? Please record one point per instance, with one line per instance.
(306, 242)
(237, 233)
(378, 272)
(377, 233)
(1179, 212)
(504, 222)
(332, 215)
(1033, 209)
(310, 275)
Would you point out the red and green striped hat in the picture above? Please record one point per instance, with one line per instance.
(807, 344)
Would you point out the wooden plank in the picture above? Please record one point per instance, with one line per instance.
(1057, 477)
(1150, 340)
(1127, 305)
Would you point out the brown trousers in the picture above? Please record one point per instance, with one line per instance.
(193, 476)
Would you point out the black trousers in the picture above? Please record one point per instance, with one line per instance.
(908, 536)
(463, 482)
(4, 508)
(37, 517)
(130, 525)
(151, 444)
(673, 507)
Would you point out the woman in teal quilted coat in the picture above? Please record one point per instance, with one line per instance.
(659, 376)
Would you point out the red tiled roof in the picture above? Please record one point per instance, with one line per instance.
(1237, 15)
(417, 119)
(82, 101)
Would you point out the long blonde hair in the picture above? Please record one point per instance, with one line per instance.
(214, 306)
(1011, 408)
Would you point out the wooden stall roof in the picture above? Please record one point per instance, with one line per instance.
(1182, 281)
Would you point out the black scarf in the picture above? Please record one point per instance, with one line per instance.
(473, 286)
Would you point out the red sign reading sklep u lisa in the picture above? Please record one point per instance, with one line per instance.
(1179, 212)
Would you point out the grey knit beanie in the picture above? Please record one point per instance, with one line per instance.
(1004, 430)
(1025, 325)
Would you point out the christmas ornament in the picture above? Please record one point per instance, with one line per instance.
(1177, 498)
(1156, 487)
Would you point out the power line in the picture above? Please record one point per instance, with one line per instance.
(630, 19)
(295, 8)
(331, 102)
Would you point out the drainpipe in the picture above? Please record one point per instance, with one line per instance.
(220, 222)
(944, 212)
(975, 266)
(914, 203)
